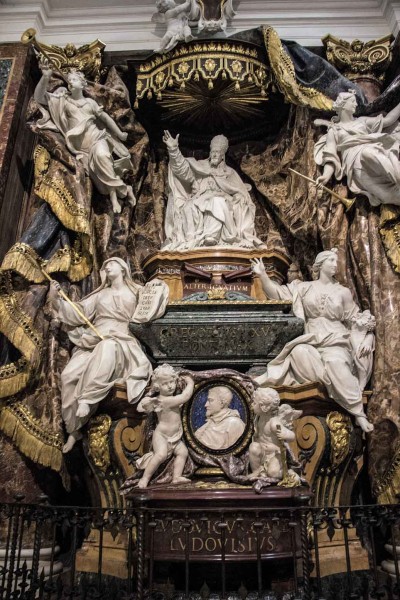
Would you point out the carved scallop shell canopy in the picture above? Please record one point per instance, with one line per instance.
(203, 88)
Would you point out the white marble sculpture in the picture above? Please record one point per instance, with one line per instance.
(176, 17)
(273, 431)
(211, 26)
(208, 203)
(364, 149)
(90, 134)
(97, 364)
(337, 346)
(167, 436)
(224, 425)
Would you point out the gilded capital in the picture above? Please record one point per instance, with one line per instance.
(359, 59)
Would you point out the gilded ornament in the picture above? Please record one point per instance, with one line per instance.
(42, 160)
(99, 450)
(217, 293)
(28, 434)
(285, 75)
(359, 58)
(340, 428)
(206, 61)
(387, 488)
(86, 58)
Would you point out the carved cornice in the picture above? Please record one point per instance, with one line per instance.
(359, 59)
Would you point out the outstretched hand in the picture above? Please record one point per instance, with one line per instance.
(258, 266)
(171, 142)
(44, 65)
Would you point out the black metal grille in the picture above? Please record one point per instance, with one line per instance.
(39, 545)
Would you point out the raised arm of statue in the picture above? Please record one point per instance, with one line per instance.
(40, 93)
(177, 162)
(272, 289)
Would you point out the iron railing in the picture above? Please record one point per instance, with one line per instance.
(42, 553)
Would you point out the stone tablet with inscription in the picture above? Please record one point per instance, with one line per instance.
(152, 301)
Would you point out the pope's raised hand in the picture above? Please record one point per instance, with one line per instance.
(170, 141)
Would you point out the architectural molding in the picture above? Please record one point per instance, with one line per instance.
(126, 24)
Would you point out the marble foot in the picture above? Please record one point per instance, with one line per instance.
(365, 425)
(71, 441)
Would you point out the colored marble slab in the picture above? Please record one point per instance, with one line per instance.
(5, 71)
(237, 335)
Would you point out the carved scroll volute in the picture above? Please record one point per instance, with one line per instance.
(127, 440)
(309, 446)
(362, 62)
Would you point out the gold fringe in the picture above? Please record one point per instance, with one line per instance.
(16, 325)
(285, 77)
(57, 195)
(22, 259)
(389, 228)
(14, 377)
(387, 488)
(26, 432)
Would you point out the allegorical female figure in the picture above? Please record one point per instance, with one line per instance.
(90, 134)
(97, 364)
(337, 346)
(364, 149)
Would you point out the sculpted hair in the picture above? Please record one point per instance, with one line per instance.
(164, 370)
(321, 258)
(267, 399)
(225, 394)
(78, 74)
(342, 99)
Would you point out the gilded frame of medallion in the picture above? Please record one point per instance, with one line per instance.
(241, 395)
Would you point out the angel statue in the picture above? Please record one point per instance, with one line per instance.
(273, 431)
(90, 134)
(176, 17)
(364, 149)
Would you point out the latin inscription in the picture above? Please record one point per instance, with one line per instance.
(203, 537)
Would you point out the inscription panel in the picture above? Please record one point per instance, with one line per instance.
(204, 537)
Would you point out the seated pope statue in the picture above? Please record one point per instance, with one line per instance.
(208, 203)
(224, 425)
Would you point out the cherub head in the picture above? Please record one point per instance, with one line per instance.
(164, 380)
(163, 5)
(265, 401)
(364, 321)
(76, 80)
